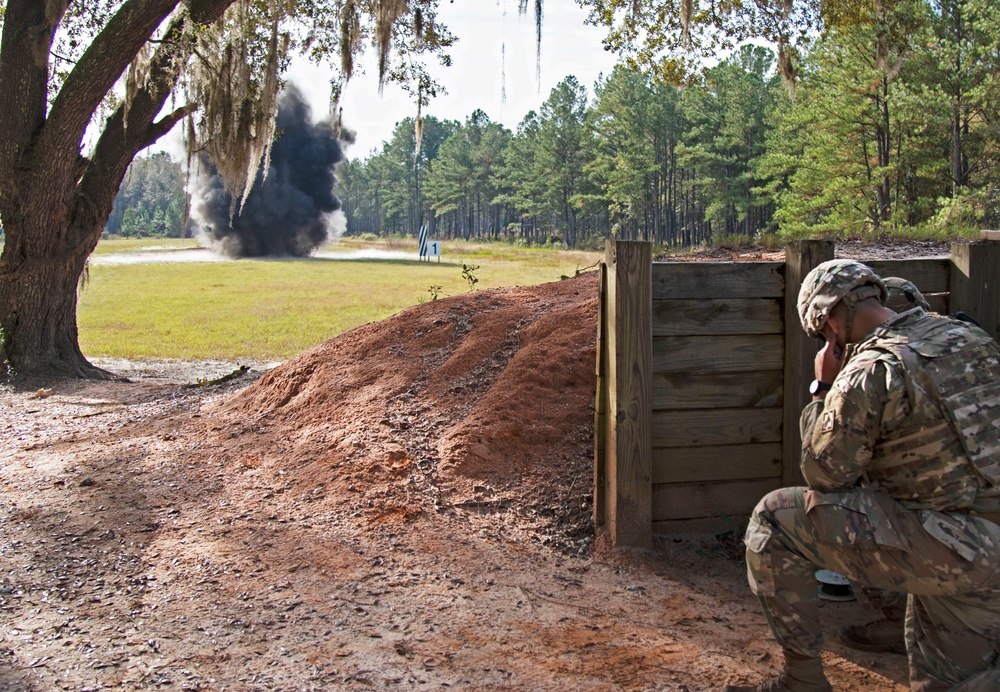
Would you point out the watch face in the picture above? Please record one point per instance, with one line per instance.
(817, 387)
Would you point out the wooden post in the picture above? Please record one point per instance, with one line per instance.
(975, 281)
(629, 441)
(801, 256)
(601, 403)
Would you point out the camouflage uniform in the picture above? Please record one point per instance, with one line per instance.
(901, 295)
(893, 492)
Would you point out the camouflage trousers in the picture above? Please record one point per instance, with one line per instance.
(953, 610)
(892, 604)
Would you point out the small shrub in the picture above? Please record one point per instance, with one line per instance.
(771, 241)
(732, 241)
(967, 213)
(469, 274)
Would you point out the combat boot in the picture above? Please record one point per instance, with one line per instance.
(800, 674)
(881, 636)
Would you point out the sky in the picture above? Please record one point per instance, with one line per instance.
(476, 77)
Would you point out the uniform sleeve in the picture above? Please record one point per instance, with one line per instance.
(839, 433)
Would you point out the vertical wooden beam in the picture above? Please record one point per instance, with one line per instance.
(629, 338)
(601, 403)
(801, 256)
(975, 282)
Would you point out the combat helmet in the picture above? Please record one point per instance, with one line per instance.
(831, 282)
(902, 295)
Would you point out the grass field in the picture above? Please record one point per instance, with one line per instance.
(273, 309)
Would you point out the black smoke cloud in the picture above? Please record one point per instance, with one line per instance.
(290, 211)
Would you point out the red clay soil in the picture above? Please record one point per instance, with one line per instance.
(468, 401)
(405, 506)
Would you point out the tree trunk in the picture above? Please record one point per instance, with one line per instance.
(38, 300)
(54, 202)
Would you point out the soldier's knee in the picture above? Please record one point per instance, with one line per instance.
(777, 500)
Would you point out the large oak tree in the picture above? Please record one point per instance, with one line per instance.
(69, 66)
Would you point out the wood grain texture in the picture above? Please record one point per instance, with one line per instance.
(975, 283)
(716, 463)
(717, 317)
(715, 499)
(929, 275)
(722, 426)
(714, 354)
(800, 257)
(629, 439)
(686, 390)
(938, 302)
(700, 280)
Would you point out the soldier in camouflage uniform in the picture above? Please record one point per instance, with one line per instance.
(885, 635)
(901, 456)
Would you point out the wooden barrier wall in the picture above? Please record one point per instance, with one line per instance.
(703, 370)
(718, 355)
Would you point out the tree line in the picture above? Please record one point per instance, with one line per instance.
(891, 123)
(151, 201)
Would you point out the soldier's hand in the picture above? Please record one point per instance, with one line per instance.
(828, 362)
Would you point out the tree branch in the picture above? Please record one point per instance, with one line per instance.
(28, 29)
(122, 138)
(166, 123)
(208, 11)
(100, 66)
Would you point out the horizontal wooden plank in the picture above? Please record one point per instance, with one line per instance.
(710, 280)
(685, 390)
(723, 426)
(730, 526)
(725, 463)
(938, 302)
(929, 275)
(723, 316)
(743, 353)
(702, 500)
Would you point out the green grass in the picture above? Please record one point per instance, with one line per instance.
(273, 309)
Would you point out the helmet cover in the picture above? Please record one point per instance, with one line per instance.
(827, 285)
(903, 295)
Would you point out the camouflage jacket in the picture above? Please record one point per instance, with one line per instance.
(887, 422)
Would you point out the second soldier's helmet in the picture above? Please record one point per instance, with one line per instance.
(903, 295)
(831, 282)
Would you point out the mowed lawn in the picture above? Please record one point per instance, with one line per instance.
(274, 309)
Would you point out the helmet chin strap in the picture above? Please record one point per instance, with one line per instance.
(849, 326)
(851, 300)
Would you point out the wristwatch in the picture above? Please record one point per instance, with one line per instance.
(818, 387)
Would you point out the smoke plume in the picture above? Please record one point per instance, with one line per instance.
(291, 210)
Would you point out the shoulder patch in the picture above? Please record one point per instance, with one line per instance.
(827, 421)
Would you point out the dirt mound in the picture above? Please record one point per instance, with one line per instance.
(480, 402)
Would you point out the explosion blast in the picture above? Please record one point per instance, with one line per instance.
(291, 209)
